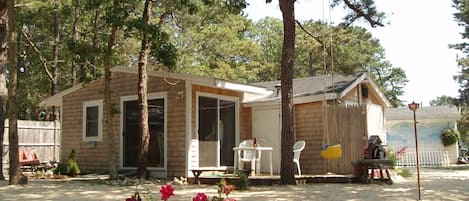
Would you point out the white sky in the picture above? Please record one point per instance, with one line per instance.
(415, 38)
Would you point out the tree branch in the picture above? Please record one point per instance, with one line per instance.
(359, 12)
(38, 53)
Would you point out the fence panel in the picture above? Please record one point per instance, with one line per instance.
(42, 137)
(428, 156)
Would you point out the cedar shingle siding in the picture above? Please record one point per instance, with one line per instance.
(123, 84)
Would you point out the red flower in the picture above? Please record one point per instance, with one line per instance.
(166, 192)
(200, 197)
(135, 197)
(227, 189)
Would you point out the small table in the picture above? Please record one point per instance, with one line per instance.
(256, 150)
(372, 164)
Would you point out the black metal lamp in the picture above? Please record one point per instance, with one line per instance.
(414, 106)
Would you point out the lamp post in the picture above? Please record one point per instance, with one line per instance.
(414, 106)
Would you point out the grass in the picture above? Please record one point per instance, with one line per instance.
(452, 167)
(404, 172)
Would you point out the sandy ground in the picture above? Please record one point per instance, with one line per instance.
(436, 185)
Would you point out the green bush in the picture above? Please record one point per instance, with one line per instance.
(61, 169)
(449, 136)
(242, 181)
(70, 168)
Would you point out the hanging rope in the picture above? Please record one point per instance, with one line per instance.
(329, 151)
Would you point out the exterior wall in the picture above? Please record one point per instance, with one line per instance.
(400, 133)
(309, 127)
(215, 91)
(123, 84)
(353, 96)
(245, 123)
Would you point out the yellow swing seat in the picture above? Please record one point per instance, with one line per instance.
(332, 152)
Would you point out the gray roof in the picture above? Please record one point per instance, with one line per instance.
(438, 112)
(316, 85)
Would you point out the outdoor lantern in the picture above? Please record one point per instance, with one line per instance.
(414, 106)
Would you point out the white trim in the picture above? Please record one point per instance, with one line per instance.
(241, 87)
(188, 95)
(158, 95)
(93, 103)
(218, 97)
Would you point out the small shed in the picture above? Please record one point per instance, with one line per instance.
(430, 122)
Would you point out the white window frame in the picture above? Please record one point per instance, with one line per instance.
(155, 95)
(94, 103)
(237, 119)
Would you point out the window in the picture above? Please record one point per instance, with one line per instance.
(92, 117)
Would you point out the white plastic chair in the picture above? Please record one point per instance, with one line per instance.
(297, 148)
(249, 156)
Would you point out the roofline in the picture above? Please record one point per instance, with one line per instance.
(56, 100)
(200, 80)
(378, 92)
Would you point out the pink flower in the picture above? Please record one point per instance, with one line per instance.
(166, 192)
(200, 197)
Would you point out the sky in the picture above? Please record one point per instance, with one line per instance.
(415, 37)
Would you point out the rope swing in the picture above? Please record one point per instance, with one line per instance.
(329, 151)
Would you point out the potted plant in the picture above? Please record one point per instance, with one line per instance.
(449, 136)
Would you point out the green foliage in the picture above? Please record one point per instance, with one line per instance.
(200, 37)
(404, 172)
(72, 167)
(449, 136)
(462, 16)
(242, 181)
(443, 100)
(61, 169)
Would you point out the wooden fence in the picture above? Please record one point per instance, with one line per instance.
(428, 156)
(42, 137)
(347, 125)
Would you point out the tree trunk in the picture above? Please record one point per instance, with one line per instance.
(142, 97)
(14, 169)
(76, 16)
(55, 56)
(108, 115)
(3, 89)
(287, 167)
(94, 61)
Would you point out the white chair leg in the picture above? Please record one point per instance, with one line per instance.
(298, 167)
(258, 167)
(253, 167)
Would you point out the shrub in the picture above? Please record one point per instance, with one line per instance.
(242, 181)
(449, 136)
(61, 169)
(72, 166)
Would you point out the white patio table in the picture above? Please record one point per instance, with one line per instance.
(257, 149)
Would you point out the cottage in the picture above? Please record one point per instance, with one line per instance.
(431, 121)
(196, 121)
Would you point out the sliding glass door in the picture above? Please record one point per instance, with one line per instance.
(217, 131)
(156, 120)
